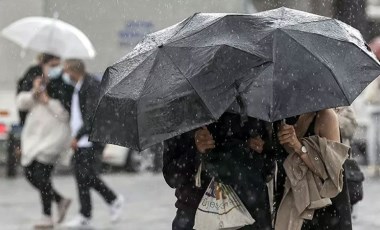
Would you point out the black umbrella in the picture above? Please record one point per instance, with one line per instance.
(316, 63)
(160, 90)
(187, 75)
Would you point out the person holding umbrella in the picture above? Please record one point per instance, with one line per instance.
(45, 134)
(183, 155)
(323, 124)
(87, 154)
(281, 63)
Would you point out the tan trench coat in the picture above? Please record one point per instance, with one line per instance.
(309, 189)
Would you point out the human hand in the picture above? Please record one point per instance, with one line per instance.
(74, 145)
(204, 140)
(256, 144)
(43, 97)
(288, 138)
(37, 86)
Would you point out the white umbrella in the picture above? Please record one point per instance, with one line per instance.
(50, 35)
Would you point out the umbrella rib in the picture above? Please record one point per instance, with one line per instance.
(179, 70)
(133, 70)
(188, 21)
(304, 23)
(147, 36)
(192, 34)
(31, 39)
(332, 73)
(343, 41)
(340, 26)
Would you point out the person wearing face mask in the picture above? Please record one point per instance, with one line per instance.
(87, 154)
(46, 134)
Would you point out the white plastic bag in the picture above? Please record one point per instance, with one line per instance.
(220, 208)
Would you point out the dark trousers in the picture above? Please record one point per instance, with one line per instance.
(334, 217)
(86, 166)
(39, 175)
(184, 220)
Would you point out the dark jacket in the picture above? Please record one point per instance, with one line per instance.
(58, 89)
(88, 99)
(26, 84)
(181, 162)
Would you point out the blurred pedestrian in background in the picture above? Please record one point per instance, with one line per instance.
(372, 97)
(26, 82)
(347, 123)
(46, 133)
(87, 154)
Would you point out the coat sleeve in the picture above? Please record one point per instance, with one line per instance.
(25, 101)
(88, 109)
(181, 160)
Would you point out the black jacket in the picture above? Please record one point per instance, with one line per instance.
(58, 89)
(88, 99)
(181, 162)
(26, 84)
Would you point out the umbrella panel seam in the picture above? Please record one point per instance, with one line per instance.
(192, 34)
(321, 61)
(190, 85)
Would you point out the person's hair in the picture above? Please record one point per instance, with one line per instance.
(45, 58)
(76, 65)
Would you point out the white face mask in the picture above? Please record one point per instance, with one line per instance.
(66, 78)
(54, 72)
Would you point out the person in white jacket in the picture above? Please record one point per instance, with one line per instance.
(45, 135)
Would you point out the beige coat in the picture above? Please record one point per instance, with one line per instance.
(309, 189)
(46, 133)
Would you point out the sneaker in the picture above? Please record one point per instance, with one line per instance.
(46, 222)
(116, 208)
(62, 207)
(79, 222)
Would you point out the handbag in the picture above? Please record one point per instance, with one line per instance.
(221, 208)
(355, 178)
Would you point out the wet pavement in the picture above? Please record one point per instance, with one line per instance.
(149, 203)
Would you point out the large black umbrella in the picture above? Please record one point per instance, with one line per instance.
(189, 74)
(161, 89)
(316, 63)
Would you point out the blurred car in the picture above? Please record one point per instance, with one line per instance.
(8, 119)
(3, 142)
(131, 160)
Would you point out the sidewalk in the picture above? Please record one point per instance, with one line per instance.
(149, 203)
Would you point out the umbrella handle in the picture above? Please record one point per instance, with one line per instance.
(283, 122)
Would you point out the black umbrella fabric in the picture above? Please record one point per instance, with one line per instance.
(316, 63)
(280, 63)
(160, 90)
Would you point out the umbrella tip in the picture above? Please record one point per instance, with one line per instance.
(160, 46)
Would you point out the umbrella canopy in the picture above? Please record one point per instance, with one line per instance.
(160, 90)
(316, 63)
(188, 75)
(50, 35)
